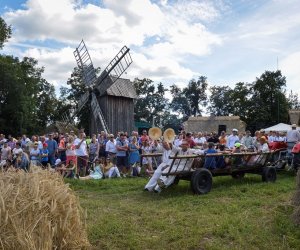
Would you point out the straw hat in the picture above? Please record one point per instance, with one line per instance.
(155, 133)
(169, 135)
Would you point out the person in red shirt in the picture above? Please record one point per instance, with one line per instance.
(144, 137)
(190, 140)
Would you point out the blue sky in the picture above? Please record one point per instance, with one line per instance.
(171, 41)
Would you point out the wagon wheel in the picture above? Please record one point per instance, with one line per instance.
(269, 174)
(239, 175)
(201, 181)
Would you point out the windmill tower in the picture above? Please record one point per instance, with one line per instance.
(110, 97)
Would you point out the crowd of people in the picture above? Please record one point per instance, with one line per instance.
(107, 155)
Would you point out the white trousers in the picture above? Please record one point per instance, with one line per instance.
(168, 180)
(156, 175)
(112, 172)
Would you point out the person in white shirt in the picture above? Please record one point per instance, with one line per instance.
(17, 150)
(232, 139)
(81, 153)
(200, 139)
(277, 136)
(5, 154)
(24, 142)
(179, 165)
(111, 148)
(263, 146)
(272, 136)
(292, 136)
(166, 149)
(177, 141)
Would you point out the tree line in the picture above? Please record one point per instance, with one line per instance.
(28, 102)
(261, 103)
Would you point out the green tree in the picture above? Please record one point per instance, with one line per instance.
(240, 101)
(169, 120)
(69, 97)
(190, 100)
(25, 96)
(293, 100)
(47, 104)
(269, 102)
(220, 101)
(5, 32)
(196, 96)
(151, 103)
(179, 103)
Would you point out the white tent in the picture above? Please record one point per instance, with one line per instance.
(281, 127)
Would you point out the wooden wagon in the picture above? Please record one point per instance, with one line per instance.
(200, 173)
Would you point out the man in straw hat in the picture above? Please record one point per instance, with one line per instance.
(179, 165)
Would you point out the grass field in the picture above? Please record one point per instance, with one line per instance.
(236, 214)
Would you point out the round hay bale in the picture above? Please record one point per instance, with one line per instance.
(296, 201)
(39, 211)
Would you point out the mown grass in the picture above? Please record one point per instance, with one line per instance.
(236, 214)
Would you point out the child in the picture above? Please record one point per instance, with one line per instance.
(35, 155)
(44, 155)
(210, 161)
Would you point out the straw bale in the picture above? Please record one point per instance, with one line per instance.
(39, 211)
(296, 201)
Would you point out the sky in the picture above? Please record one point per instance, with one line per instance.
(170, 41)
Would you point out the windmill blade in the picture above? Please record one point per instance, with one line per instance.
(68, 117)
(82, 101)
(98, 113)
(85, 64)
(118, 65)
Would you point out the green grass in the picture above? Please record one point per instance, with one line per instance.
(236, 214)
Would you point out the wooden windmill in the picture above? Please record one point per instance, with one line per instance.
(110, 97)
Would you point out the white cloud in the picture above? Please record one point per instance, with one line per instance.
(194, 11)
(58, 64)
(106, 29)
(170, 41)
(159, 69)
(273, 19)
(290, 67)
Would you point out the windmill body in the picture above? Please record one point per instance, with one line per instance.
(110, 97)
